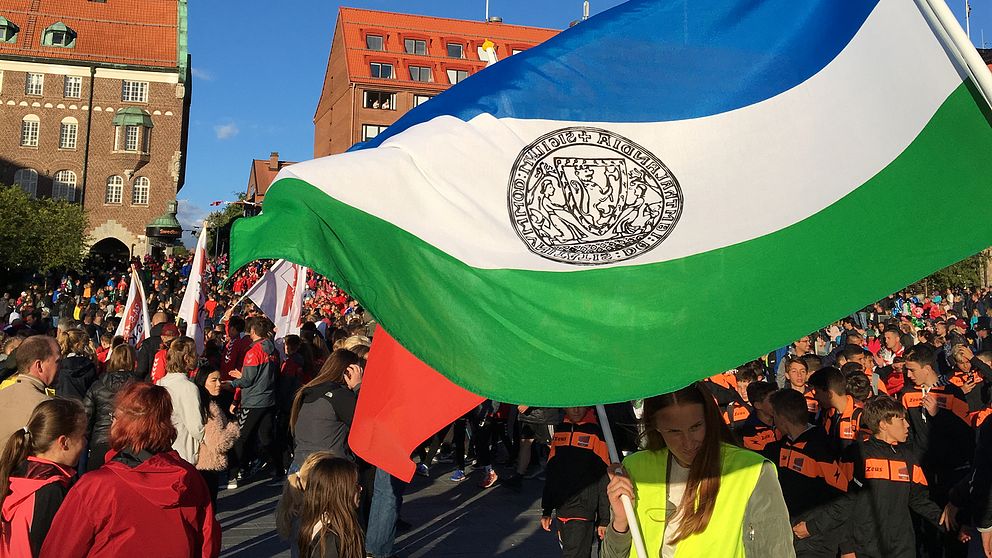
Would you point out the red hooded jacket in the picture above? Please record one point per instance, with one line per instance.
(37, 488)
(144, 505)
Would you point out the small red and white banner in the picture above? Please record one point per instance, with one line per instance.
(135, 326)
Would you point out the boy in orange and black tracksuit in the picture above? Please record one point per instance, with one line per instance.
(575, 489)
(940, 434)
(811, 477)
(758, 430)
(887, 483)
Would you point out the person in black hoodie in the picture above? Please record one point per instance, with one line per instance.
(77, 369)
(150, 346)
(575, 489)
(99, 402)
(323, 409)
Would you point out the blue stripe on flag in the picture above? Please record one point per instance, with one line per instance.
(657, 60)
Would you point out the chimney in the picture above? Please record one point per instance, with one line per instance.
(274, 161)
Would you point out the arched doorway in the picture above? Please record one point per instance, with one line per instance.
(110, 254)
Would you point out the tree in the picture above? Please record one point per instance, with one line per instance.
(221, 221)
(41, 234)
(969, 273)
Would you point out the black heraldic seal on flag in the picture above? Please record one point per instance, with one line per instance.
(587, 196)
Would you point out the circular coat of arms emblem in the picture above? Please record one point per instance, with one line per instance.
(588, 196)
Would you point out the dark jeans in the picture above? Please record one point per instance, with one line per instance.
(255, 422)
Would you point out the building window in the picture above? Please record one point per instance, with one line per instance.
(58, 35)
(64, 186)
(30, 126)
(68, 133)
(381, 70)
(374, 42)
(34, 84)
(380, 100)
(132, 138)
(421, 73)
(456, 50)
(134, 91)
(8, 31)
(115, 191)
(27, 180)
(73, 87)
(420, 99)
(455, 76)
(370, 131)
(415, 46)
(139, 195)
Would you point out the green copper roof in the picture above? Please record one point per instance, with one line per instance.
(165, 220)
(182, 41)
(133, 116)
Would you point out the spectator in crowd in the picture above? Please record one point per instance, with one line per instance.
(257, 413)
(36, 470)
(186, 415)
(689, 457)
(810, 476)
(324, 408)
(77, 369)
(575, 489)
(169, 333)
(219, 431)
(151, 345)
(887, 482)
(759, 429)
(145, 493)
(329, 522)
(38, 360)
(842, 416)
(290, 504)
(99, 402)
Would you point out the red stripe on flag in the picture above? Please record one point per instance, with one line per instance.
(402, 403)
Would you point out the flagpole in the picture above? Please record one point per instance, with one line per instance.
(942, 19)
(628, 506)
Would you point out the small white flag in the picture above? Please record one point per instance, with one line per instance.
(191, 310)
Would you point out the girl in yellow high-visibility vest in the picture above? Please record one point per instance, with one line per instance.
(696, 493)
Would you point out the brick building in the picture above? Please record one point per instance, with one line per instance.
(94, 109)
(260, 177)
(382, 64)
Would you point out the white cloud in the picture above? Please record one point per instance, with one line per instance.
(226, 131)
(200, 73)
(190, 216)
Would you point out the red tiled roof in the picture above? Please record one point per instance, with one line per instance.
(126, 32)
(395, 27)
(264, 175)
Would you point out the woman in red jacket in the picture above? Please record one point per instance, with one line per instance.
(36, 467)
(145, 500)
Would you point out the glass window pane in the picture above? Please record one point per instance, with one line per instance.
(373, 42)
(456, 50)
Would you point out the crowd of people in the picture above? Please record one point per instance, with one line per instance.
(867, 438)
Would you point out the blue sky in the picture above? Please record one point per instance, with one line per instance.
(258, 71)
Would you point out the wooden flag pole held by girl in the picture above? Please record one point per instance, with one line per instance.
(628, 506)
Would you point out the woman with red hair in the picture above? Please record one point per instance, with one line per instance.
(144, 499)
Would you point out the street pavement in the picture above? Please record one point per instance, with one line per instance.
(448, 519)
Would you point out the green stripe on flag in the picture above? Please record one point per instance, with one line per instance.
(613, 334)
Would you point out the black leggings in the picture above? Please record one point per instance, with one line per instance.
(252, 422)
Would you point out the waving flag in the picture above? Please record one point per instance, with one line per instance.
(279, 295)
(578, 223)
(191, 309)
(134, 325)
